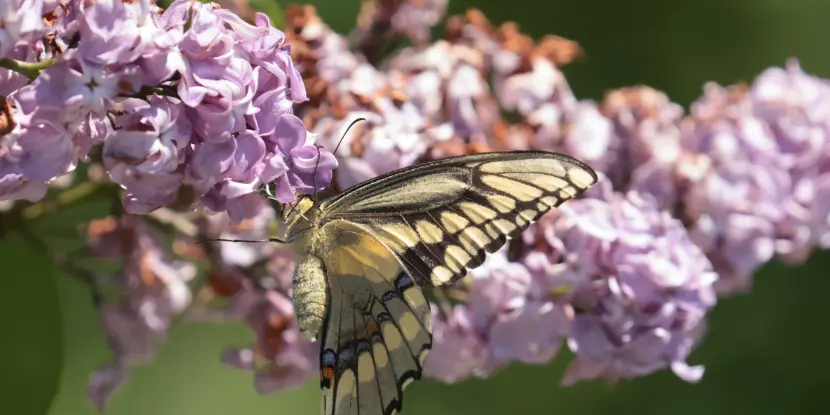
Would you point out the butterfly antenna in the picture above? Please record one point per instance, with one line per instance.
(295, 204)
(317, 163)
(201, 241)
(356, 120)
(314, 177)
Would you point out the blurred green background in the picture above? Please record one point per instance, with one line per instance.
(765, 352)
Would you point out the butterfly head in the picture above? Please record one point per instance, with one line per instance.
(297, 213)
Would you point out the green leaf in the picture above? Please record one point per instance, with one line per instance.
(31, 353)
(272, 9)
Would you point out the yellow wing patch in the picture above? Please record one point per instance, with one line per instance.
(378, 330)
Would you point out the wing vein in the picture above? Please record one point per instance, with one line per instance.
(355, 401)
(395, 290)
(375, 364)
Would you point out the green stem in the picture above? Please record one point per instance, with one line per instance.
(178, 221)
(64, 198)
(30, 69)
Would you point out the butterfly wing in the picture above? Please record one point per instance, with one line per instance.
(441, 218)
(377, 332)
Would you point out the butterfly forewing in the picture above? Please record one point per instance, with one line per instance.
(441, 218)
(378, 330)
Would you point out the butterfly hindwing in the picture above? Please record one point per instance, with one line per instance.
(442, 217)
(377, 332)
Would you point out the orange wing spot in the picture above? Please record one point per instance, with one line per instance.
(327, 373)
(371, 329)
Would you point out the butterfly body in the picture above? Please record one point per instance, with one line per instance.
(366, 253)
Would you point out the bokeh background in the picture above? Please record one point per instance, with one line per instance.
(765, 352)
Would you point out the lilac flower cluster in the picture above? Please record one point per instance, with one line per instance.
(769, 146)
(744, 170)
(188, 96)
(185, 107)
(192, 106)
(281, 357)
(627, 290)
(409, 18)
(396, 133)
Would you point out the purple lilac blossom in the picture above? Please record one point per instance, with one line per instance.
(22, 24)
(155, 291)
(289, 358)
(765, 148)
(144, 155)
(458, 351)
(229, 129)
(396, 132)
(796, 109)
(281, 357)
(447, 84)
(415, 18)
(379, 20)
(526, 79)
(513, 309)
(647, 128)
(736, 204)
(229, 78)
(639, 287)
(510, 314)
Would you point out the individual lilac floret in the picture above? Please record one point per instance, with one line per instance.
(515, 311)
(145, 155)
(458, 350)
(639, 287)
(646, 125)
(51, 132)
(117, 32)
(22, 23)
(415, 18)
(380, 20)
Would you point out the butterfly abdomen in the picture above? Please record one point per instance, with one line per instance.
(310, 294)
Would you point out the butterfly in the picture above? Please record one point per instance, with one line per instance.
(366, 253)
